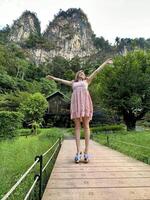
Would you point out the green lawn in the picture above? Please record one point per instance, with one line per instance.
(138, 143)
(17, 155)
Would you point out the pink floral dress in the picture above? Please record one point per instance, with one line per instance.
(81, 103)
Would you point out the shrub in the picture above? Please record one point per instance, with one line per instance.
(9, 122)
(107, 128)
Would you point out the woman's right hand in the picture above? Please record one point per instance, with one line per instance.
(50, 77)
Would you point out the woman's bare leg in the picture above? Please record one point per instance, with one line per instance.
(77, 133)
(86, 127)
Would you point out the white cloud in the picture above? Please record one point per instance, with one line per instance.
(108, 18)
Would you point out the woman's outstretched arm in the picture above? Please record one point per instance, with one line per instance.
(93, 75)
(59, 80)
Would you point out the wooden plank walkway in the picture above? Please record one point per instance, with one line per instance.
(109, 175)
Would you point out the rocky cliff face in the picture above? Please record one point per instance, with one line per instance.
(71, 33)
(68, 35)
(22, 28)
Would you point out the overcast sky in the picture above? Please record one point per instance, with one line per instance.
(108, 18)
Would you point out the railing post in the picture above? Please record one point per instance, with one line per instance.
(40, 175)
(148, 160)
(40, 178)
(60, 140)
(107, 140)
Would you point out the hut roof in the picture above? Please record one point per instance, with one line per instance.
(58, 93)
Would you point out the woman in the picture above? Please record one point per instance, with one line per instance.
(81, 108)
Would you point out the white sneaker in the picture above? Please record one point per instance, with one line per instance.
(86, 157)
(78, 157)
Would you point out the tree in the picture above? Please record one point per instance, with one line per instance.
(11, 101)
(126, 87)
(101, 44)
(75, 64)
(34, 107)
(58, 66)
(117, 41)
(47, 86)
(4, 34)
(7, 83)
(13, 61)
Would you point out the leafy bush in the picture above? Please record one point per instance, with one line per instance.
(107, 128)
(9, 122)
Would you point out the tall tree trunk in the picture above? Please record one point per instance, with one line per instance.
(130, 120)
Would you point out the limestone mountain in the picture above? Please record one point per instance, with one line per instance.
(23, 27)
(68, 35)
(71, 34)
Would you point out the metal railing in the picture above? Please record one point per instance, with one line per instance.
(38, 176)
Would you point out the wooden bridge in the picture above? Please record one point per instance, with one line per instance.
(109, 175)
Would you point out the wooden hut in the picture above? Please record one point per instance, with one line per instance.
(58, 112)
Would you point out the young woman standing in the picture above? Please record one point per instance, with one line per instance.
(81, 109)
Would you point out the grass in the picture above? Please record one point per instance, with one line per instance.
(134, 144)
(17, 155)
